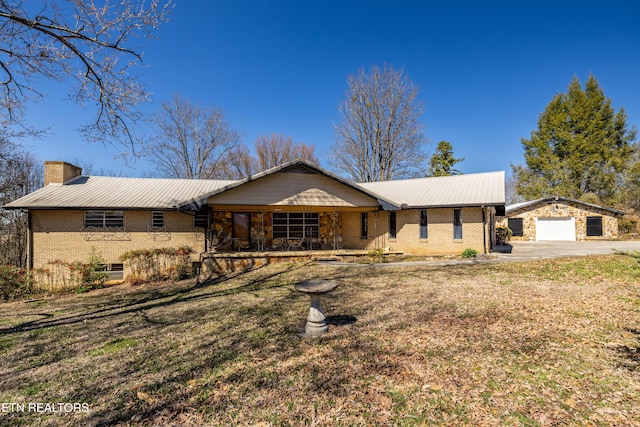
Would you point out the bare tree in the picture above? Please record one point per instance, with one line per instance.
(237, 164)
(271, 151)
(379, 136)
(89, 167)
(276, 149)
(88, 42)
(511, 190)
(190, 140)
(20, 174)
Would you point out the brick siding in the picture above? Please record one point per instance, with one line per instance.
(57, 234)
(440, 239)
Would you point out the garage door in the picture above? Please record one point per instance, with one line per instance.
(556, 228)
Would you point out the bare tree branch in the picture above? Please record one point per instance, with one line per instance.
(276, 149)
(20, 174)
(190, 140)
(77, 41)
(379, 136)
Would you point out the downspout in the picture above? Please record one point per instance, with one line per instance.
(29, 242)
(484, 230)
(375, 230)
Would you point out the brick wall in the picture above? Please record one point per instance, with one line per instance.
(440, 239)
(59, 172)
(564, 209)
(57, 234)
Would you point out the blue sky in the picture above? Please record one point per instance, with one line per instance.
(485, 70)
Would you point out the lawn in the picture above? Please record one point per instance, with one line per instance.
(552, 342)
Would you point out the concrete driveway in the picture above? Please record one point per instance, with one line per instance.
(523, 251)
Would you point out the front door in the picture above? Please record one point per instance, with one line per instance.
(242, 230)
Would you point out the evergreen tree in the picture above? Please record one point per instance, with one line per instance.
(443, 161)
(580, 149)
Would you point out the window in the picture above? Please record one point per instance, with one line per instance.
(424, 222)
(157, 219)
(103, 219)
(457, 224)
(515, 225)
(296, 225)
(594, 226)
(364, 225)
(115, 271)
(201, 219)
(392, 225)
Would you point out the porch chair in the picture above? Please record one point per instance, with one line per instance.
(222, 243)
(277, 244)
(298, 243)
(244, 245)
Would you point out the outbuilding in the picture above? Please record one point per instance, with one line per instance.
(561, 218)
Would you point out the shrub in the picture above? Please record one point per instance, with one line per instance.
(469, 253)
(147, 265)
(82, 276)
(376, 255)
(633, 254)
(89, 275)
(15, 283)
(627, 225)
(503, 235)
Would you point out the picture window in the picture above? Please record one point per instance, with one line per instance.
(296, 225)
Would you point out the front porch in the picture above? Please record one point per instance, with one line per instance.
(245, 231)
(225, 262)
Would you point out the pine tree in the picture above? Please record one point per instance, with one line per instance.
(443, 161)
(580, 149)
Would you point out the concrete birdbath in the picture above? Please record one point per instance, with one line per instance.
(316, 321)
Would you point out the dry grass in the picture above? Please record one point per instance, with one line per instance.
(542, 343)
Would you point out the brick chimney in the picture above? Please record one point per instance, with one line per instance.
(56, 172)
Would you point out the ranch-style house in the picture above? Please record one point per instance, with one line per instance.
(296, 207)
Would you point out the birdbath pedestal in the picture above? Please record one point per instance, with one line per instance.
(316, 321)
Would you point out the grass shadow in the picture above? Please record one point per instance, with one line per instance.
(155, 299)
(341, 320)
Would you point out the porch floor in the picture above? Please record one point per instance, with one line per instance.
(304, 254)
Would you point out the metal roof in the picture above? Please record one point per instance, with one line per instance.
(99, 192)
(117, 193)
(458, 190)
(551, 199)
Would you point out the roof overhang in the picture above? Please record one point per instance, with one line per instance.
(553, 199)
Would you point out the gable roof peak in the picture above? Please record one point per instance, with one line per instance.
(555, 199)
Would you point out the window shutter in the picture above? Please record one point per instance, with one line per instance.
(515, 224)
(594, 226)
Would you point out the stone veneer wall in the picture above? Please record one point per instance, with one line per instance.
(564, 209)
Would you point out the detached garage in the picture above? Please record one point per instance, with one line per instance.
(561, 218)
